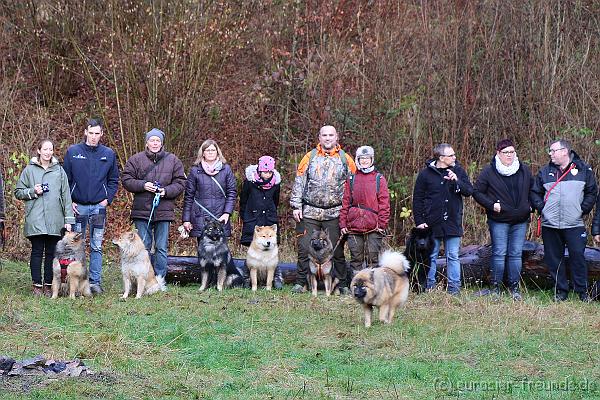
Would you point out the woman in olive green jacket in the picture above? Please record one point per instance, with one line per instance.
(44, 187)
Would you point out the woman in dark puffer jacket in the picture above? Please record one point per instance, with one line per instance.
(503, 190)
(210, 190)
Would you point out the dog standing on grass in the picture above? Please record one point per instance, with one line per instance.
(263, 256)
(385, 287)
(419, 246)
(320, 255)
(69, 274)
(136, 266)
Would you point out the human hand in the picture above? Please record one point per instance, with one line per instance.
(161, 192)
(104, 203)
(297, 215)
(596, 240)
(68, 227)
(422, 226)
(451, 176)
(188, 226)
(497, 207)
(224, 218)
(150, 187)
(344, 231)
(38, 189)
(74, 207)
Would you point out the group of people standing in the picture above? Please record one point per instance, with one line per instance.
(332, 191)
(562, 193)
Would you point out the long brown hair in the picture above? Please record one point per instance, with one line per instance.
(203, 146)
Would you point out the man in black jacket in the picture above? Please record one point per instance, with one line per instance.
(438, 204)
(563, 192)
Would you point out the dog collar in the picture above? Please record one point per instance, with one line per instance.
(64, 263)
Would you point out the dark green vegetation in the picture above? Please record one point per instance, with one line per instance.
(233, 345)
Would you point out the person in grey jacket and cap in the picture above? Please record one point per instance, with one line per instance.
(156, 178)
(563, 192)
(44, 187)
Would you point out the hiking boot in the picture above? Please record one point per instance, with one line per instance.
(47, 290)
(95, 288)
(583, 296)
(298, 288)
(482, 293)
(37, 290)
(515, 293)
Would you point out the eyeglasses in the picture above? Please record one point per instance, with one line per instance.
(508, 152)
(552, 151)
(210, 150)
(449, 155)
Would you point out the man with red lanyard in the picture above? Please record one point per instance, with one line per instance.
(563, 192)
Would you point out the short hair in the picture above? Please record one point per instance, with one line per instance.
(438, 150)
(92, 122)
(203, 146)
(563, 143)
(324, 127)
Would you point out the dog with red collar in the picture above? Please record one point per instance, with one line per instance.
(70, 276)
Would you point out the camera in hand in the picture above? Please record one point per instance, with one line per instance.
(45, 187)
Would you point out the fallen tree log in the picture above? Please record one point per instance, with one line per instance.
(475, 262)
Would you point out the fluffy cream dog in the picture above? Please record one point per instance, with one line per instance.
(263, 256)
(136, 266)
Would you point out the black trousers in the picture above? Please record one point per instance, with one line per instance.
(575, 240)
(42, 247)
(339, 262)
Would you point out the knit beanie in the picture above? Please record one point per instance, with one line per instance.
(266, 164)
(156, 132)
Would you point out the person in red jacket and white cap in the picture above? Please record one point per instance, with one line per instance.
(365, 210)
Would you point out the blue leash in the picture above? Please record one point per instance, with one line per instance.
(154, 205)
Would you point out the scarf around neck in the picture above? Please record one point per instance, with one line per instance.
(507, 170)
(212, 170)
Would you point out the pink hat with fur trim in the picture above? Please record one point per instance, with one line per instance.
(265, 164)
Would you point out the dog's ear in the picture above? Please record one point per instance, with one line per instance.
(257, 228)
(274, 227)
(62, 232)
(326, 231)
(78, 236)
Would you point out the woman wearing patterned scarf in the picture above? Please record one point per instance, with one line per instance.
(503, 190)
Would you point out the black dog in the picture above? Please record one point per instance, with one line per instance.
(214, 255)
(419, 245)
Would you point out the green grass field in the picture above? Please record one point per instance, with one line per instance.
(276, 345)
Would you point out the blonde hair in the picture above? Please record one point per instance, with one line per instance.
(203, 146)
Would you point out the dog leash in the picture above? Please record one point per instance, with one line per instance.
(206, 210)
(154, 205)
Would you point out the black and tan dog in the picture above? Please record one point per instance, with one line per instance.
(385, 287)
(419, 246)
(320, 255)
(69, 274)
(214, 256)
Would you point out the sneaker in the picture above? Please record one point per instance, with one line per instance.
(48, 290)
(482, 293)
(298, 288)
(277, 284)
(37, 290)
(95, 288)
(516, 295)
(558, 297)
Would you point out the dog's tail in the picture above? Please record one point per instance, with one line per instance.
(394, 261)
(159, 286)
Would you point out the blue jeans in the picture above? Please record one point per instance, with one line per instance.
(507, 245)
(159, 231)
(451, 246)
(94, 216)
